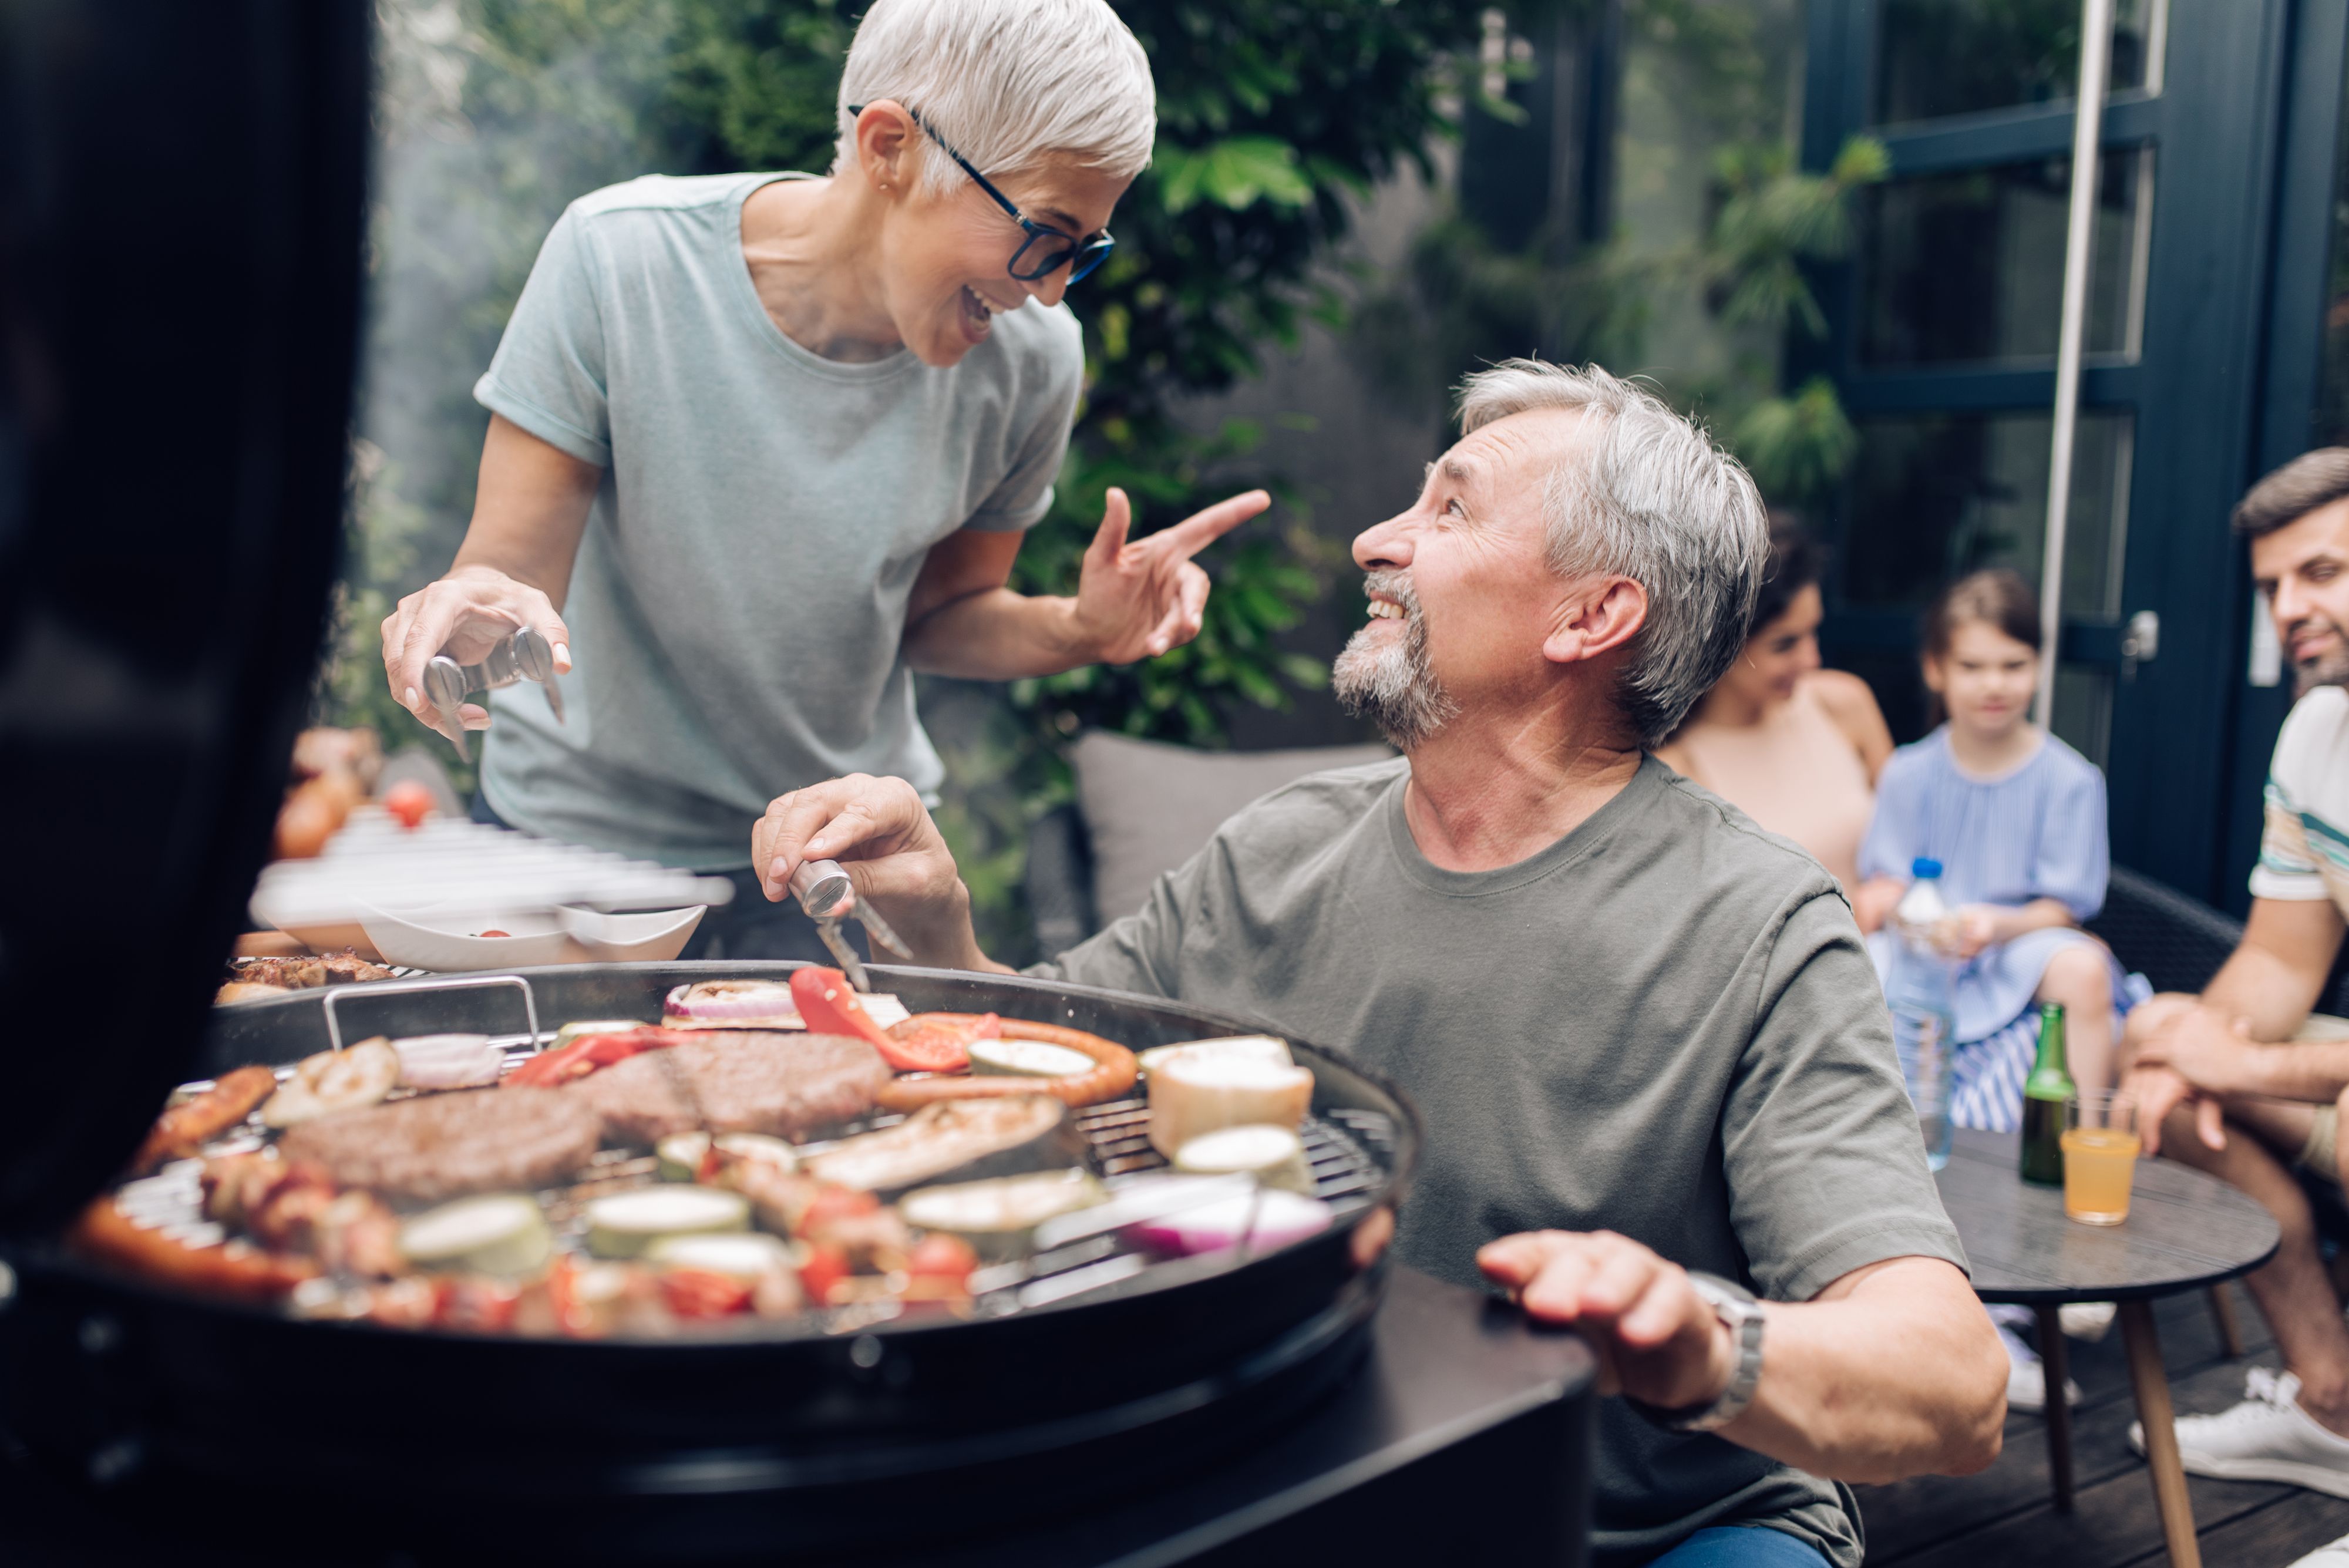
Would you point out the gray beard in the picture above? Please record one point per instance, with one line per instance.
(1392, 684)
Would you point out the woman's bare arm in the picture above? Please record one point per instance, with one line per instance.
(1852, 706)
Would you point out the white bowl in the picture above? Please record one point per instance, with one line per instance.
(449, 940)
(654, 937)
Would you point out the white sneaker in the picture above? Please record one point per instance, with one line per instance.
(2086, 1320)
(2266, 1438)
(2334, 1554)
(2026, 1376)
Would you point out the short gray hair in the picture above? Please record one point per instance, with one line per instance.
(2312, 480)
(1648, 495)
(1006, 82)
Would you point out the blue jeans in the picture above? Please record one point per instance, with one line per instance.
(1741, 1546)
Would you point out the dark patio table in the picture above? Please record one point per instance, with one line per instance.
(2185, 1231)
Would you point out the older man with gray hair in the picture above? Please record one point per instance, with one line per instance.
(1656, 1069)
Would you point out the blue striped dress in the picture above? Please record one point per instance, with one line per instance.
(2037, 832)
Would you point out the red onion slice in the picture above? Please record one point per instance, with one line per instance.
(756, 1004)
(732, 1004)
(1272, 1217)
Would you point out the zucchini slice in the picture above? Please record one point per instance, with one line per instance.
(998, 1218)
(1273, 1155)
(739, 1254)
(680, 1154)
(497, 1233)
(1026, 1059)
(626, 1224)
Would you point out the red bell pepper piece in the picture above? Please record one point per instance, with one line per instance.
(828, 1005)
(938, 1269)
(584, 1055)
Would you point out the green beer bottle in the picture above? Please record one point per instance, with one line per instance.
(2044, 1094)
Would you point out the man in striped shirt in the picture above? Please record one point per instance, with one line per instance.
(2249, 1056)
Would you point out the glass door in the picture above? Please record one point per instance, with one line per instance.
(1946, 319)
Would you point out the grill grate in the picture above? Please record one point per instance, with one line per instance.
(1347, 1152)
(1344, 1171)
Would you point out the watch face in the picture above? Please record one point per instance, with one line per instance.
(1724, 1293)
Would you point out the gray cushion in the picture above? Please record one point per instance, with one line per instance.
(1148, 807)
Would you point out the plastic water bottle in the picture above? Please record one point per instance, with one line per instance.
(1924, 1007)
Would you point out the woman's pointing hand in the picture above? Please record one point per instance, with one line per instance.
(1138, 598)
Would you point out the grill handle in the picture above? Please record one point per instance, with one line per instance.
(435, 983)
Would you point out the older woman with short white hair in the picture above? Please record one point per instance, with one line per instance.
(762, 445)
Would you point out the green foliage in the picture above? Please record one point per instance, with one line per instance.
(1774, 224)
(380, 535)
(1797, 446)
(1463, 300)
(1774, 220)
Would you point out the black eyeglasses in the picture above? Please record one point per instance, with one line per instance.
(1057, 250)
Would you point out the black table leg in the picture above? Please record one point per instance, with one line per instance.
(2054, 1357)
(2222, 1312)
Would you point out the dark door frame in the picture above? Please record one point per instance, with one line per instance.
(2298, 293)
(2197, 388)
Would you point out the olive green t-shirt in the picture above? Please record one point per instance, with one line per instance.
(1663, 1024)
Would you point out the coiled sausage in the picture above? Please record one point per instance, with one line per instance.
(1112, 1073)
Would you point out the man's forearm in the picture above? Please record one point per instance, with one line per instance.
(1897, 1378)
(2315, 1071)
(997, 635)
(2272, 989)
(941, 935)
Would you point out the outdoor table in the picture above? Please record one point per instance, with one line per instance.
(1465, 1437)
(2186, 1231)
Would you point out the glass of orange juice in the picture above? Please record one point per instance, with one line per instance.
(2100, 1150)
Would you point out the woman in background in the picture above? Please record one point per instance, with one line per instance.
(1795, 747)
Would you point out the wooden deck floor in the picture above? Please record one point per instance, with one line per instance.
(2004, 1518)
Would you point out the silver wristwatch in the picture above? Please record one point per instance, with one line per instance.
(1735, 1305)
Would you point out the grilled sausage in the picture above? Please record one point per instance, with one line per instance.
(1113, 1073)
(246, 1273)
(183, 1129)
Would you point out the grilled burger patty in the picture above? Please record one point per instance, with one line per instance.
(735, 1080)
(442, 1145)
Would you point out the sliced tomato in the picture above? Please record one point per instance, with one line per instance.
(477, 1305)
(941, 1256)
(700, 1293)
(826, 1267)
(562, 1295)
(828, 1005)
(830, 1203)
(409, 800)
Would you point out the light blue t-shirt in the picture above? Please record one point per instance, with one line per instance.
(739, 595)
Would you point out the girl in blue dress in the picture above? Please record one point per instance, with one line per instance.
(2016, 818)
